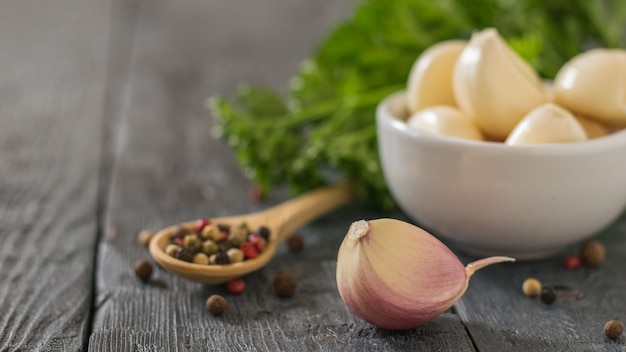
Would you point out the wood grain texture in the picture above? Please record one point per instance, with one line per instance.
(500, 318)
(169, 169)
(52, 83)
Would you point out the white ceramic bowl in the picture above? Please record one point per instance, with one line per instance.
(528, 202)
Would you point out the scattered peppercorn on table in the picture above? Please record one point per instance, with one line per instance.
(105, 139)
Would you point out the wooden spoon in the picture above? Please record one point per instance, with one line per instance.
(282, 220)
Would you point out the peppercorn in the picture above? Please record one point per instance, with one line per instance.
(285, 284)
(209, 247)
(144, 237)
(216, 305)
(592, 253)
(143, 269)
(256, 193)
(172, 250)
(179, 232)
(613, 329)
(258, 241)
(236, 286)
(237, 235)
(210, 232)
(547, 296)
(201, 258)
(571, 262)
(201, 224)
(223, 227)
(185, 254)
(264, 232)
(295, 243)
(249, 250)
(531, 287)
(235, 255)
(221, 258)
(192, 241)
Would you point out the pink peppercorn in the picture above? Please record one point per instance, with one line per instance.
(249, 250)
(236, 286)
(572, 262)
(256, 193)
(201, 224)
(258, 241)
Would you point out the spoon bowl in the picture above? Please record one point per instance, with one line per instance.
(282, 220)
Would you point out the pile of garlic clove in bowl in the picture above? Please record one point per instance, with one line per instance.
(480, 151)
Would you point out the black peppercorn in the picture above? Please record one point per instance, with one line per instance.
(222, 258)
(284, 284)
(143, 269)
(224, 246)
(186, 254)
(264, 232)
(223, 227)
(547, 296)
(216, 305)
(295, 243)
(613, 329)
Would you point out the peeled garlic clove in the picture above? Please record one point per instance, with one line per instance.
(548, 123)
(395, 275)
(445, 120)
(495, 86)
(430, 78)
(593, 83)
(592, 128)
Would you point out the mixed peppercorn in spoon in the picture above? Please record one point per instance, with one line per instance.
(217, 243)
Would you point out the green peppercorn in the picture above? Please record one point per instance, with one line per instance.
(192, 241)
(209, 247)
(237, 235)
(547, 296)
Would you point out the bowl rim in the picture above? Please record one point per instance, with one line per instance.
(611, 141)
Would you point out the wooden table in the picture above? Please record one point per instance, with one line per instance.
(103, 133)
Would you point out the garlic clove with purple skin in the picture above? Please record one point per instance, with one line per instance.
(394, 275)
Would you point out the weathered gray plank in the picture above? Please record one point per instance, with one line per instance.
(169, 169)
(500, 318)
(52, 82)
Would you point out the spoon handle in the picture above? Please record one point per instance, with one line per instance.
(293, 214)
